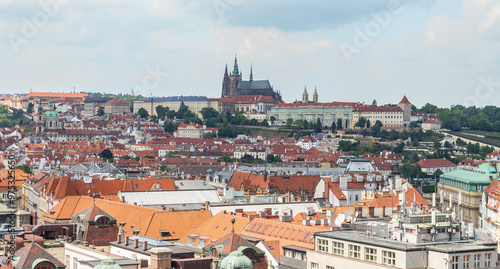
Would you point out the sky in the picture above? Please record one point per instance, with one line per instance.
(441, 52)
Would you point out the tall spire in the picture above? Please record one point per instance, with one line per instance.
(225, 72)
(235, 67)
(251, 73)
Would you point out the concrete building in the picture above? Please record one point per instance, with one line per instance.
(465, 188)
(194, 103)
(326, 112)
(116, 107)
(414, 240)
(193, 130)
(431, 124)
(430, 166)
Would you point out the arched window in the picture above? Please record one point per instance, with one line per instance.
(214, 253)
(250, 254)
(102, 221)
(45, 265)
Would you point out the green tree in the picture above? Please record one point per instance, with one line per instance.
(171, 114)
(161, 111)
(209, 113)
(318, 127)
(29, 110)
(100, 111)
(368, 124)
(437, 173)
(25, 168)
(106, 154)
(289, 122)
(448, 145)
(143, 113)
(273, 119)
(339, 124)
(333, 127)
(361, 122)
(413, 124)
(169, 127)
(264, 123)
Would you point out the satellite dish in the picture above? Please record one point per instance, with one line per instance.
(339, 219)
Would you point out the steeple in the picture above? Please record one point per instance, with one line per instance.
(251, 73)
(225, 72)
(305, 96)
(235, 68)
(315, 96)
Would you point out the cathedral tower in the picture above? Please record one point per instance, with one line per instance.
(315, 96)
(305, 96)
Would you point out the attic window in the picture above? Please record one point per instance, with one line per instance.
(52, 212)
(102, 221)
(137, 185)
(165, 233)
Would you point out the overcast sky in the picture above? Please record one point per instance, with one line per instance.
(444, 52)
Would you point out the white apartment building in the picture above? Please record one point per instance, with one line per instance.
(418, 241)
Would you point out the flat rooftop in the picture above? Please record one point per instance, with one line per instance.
(449, 246)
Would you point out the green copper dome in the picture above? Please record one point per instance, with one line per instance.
(107, 264)
(236, 260)
(51, 114)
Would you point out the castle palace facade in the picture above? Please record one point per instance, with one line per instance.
(233, 85)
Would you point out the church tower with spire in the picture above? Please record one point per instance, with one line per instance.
(233, 84)
(305, 96)
(230, 81)
(225, 84)
(315, 96)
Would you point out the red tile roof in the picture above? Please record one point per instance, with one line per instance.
(404, 100)
(431, 163)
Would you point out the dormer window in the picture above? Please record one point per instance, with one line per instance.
(102, 221)
(165, 233)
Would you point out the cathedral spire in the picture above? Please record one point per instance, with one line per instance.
(305, 96)
(225, 72)
(251, 73)
(235, 67)
(315, 96)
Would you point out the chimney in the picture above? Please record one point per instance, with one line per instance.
(119, 239)
(163, 207)
(126, 240)
(207, 205)
(136, 243)
(161, 258)
(326, 191)
(145, 245)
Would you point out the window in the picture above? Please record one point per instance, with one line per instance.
(338, 248)
(44, 265)
(75, 263)
(214, 253)
(370, 254)
(477, 260)
(314, 265)
(330, 267)
(102, 221)
(165, 233)
(487, 260)
(354, 251)
(466, 261)
(389, 258)
(322, 245)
